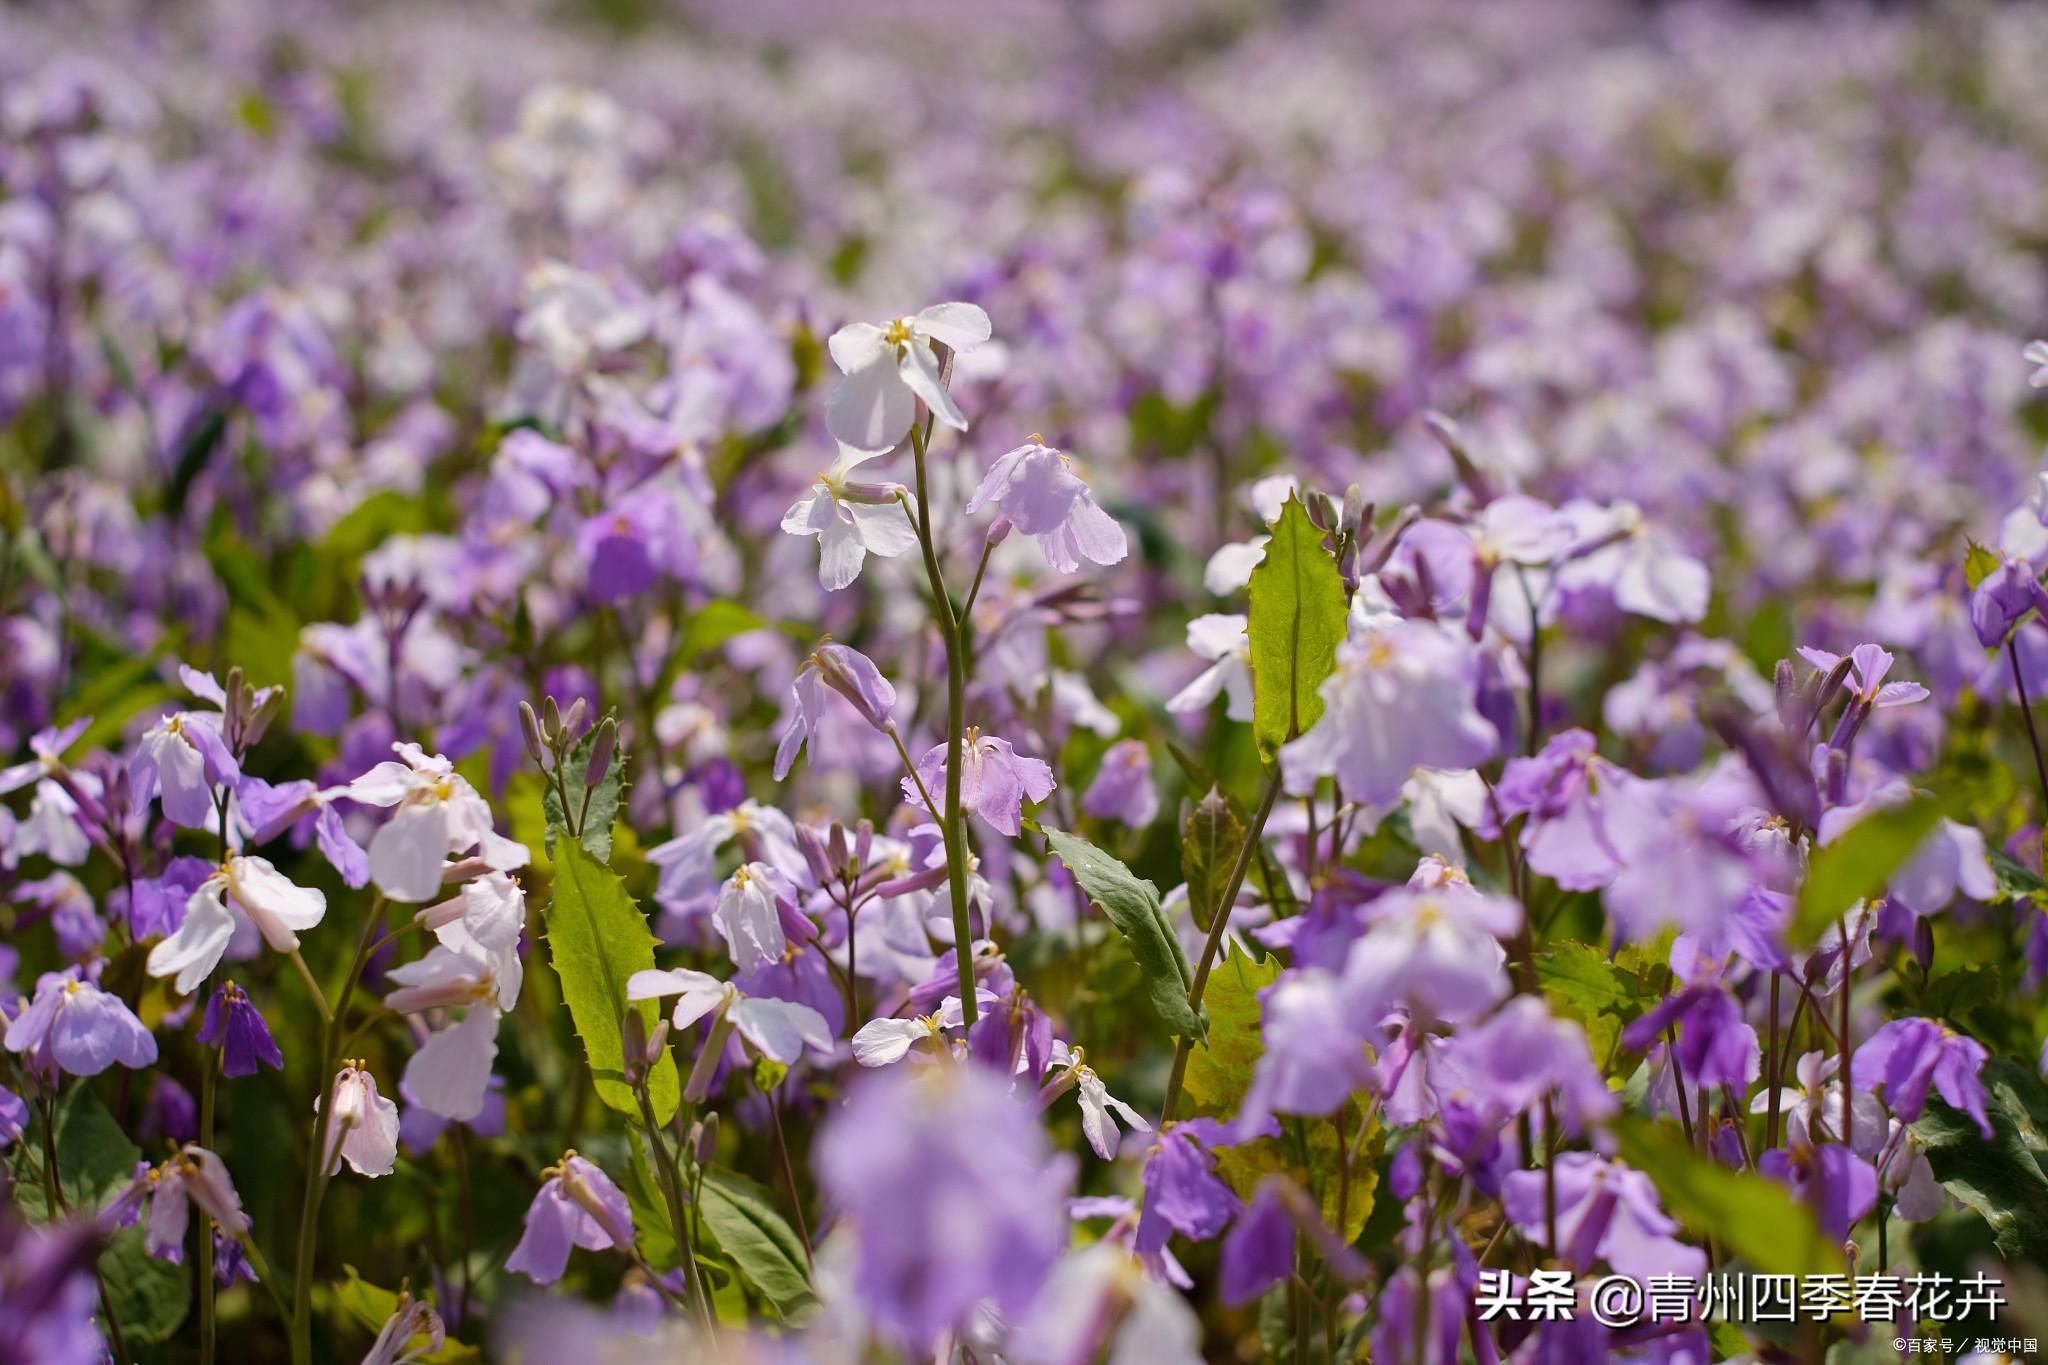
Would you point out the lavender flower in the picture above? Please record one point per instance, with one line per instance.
(75, 1027)
(1045, 499)
(578, 1205)
(235, 1026)
(995, 780)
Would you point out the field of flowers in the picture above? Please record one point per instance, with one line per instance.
(1130, 681)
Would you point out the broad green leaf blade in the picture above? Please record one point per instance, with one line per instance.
(2000, 1179)
(1750, 1215)
(1978, 565)
(597, 938)
(603, 809)
(1583, 985)
(1296, 623)
(1220, 1072)
(742, 1219)
(1857, 865)
(151, 1296)
(1133, 907)
(1211, 836)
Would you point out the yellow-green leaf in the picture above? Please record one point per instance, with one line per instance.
(1296, 623)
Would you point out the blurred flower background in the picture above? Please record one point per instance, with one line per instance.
(633, 637)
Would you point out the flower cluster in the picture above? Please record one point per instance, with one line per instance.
(1055, 683)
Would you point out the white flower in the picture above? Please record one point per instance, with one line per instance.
(1097, 1123)
(688, 862)
(887, 369)
(364, 1129)
(573, 315)
(2036, 355)
(1219, 637)
(438, 814)
(884, 1042)
(748, 918)
(780, 1029)
(852, 520)
(243, 887)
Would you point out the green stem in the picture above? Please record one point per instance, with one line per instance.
(672, 1194)
(954, 828)
(1218, 922)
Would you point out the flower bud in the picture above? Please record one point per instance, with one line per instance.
(530, 733)
(707, 1139)
(601, 751)
(572, 723)
(550, 718)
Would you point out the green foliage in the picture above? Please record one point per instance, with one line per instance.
(1857, 864)
(1749, 1215)
(1978, 565)
(1602, 996)
(1133, 907)
(1211, 838)
(602, 809)
(1296, 623)
(95, 1162)
(741, 1217)
(2001, 1179)
(597, 938)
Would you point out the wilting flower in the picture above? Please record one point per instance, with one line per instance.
(1098, 1124)
(75, 1027)
(1403, 697)
(888, 369)
(852, 520)
(439, 814)
(995, 780)
(952, 1194)
(364, 1127)
(409, 1320)
(577, 1206)
(235, 1026)
(1045, 499)
(240, 888)
(192, 1177)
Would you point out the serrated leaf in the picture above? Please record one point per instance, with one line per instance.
(742, 1219)
(1220, 1071)
(1133, 907)
(1583, 985)
(603, 809)
(1296, 622)
(2001, 1179)
(1858, 863)
(1750, 1215)
(1211, 837)
(597, 938)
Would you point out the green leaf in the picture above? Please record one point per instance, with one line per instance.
(1211, 837)
(1220, 1071)
(1857, 865)
(1978, 565)
(193, 457)
(2001, 1179)
(1750, 1215)
(2016, 881)
(742, 1219)
(597, 938)
(603, 810)
(1296, 623)
(654, 1233)
(1133, 907)
(151, 1296)
(1602, 996)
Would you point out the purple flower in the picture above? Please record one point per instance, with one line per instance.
(194, 1176)
(853, 676)
(1606, 1211)
(1045, 499)
(13, 1117)
(995, 781)
(1715, 1046)
(1182, 1191)
(577, 1206)
(2003, 597)
(236, 1027)
(1564, 790)
(952, 1194)
(1259, 1252)
(182, 759)
(1404, 696)
(1869, 664)
(76, 1027)
(1122, 789)
(1845, 1183)
(1907, 1056)
(1520, 1053)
